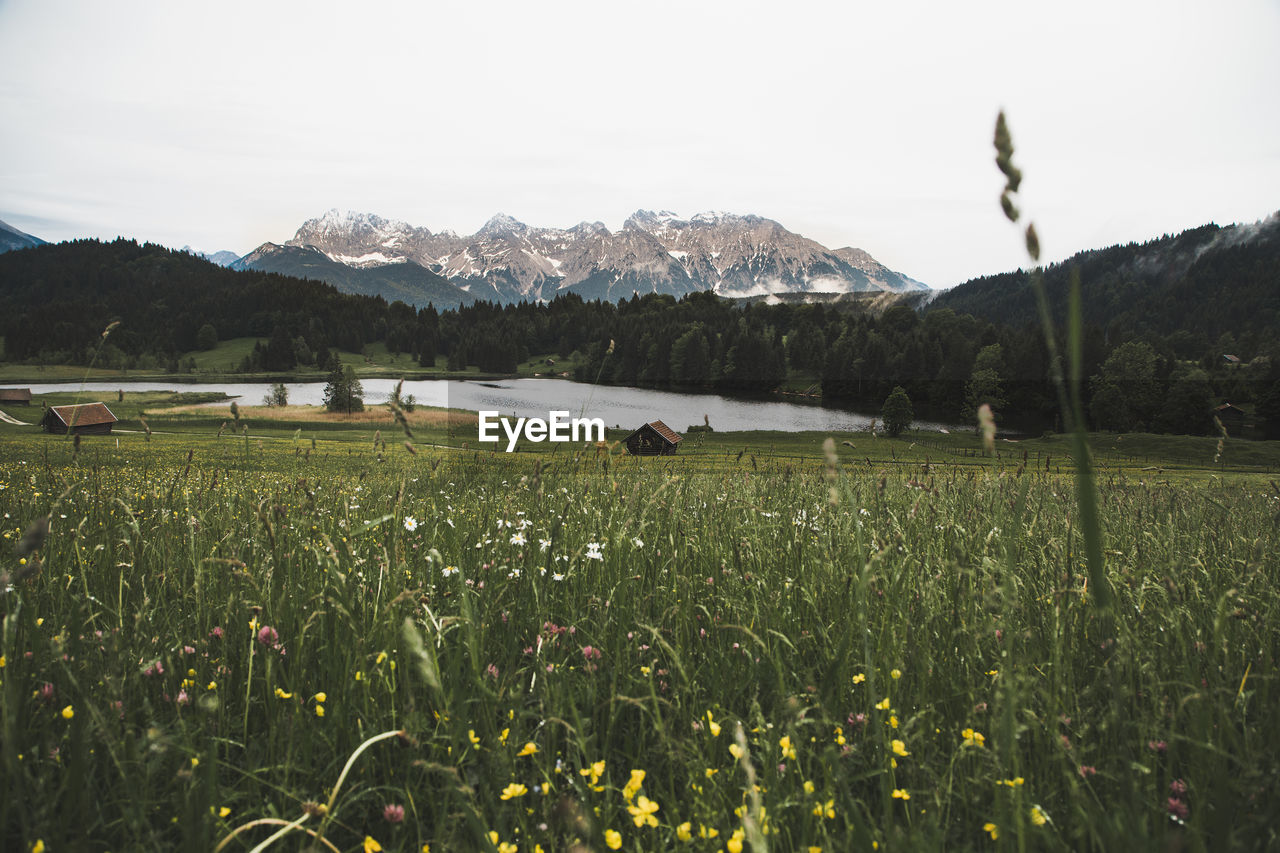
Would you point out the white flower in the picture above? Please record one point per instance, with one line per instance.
(449, 571)
(514, 573)
(449, 521)
(557, 577)
(517, 539)
(544, 544)
(639, 543)
(410, 523)
(593, 551)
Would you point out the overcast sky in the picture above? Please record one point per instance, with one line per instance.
(224, 125)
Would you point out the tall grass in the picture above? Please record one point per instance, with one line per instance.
(775, 597)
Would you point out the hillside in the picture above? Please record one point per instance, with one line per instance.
(55, 301)
(1198, 289)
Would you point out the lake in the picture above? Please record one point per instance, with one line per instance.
(619, 406)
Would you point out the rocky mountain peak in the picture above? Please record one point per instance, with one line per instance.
(500, 223)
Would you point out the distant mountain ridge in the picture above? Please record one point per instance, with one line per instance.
(406, 281)
(508, 261)
(11, 238)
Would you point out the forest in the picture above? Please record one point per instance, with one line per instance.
(1173, 328)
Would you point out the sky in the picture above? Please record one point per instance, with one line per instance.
(225, 125)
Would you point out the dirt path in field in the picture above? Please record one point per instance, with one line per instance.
(14, 421)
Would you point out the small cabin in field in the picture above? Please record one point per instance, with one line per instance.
(653, 439)
(1231, 417)
(84, 419)
(15, 396)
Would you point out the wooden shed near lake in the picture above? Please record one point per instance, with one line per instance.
(653, 439)
(15, 396)
(83, 419)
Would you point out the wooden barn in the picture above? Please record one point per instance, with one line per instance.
(653, 439)
(15, 396)
(84, 419)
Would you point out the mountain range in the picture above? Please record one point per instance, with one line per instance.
(508, 261)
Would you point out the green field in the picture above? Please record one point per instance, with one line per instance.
(893, 649)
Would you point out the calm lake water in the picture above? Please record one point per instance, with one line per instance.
(616, 405)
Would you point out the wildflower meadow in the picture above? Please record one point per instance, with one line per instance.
(212, 645)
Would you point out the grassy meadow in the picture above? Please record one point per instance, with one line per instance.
(292, 637)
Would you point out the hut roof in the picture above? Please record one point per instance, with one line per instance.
(85, 414)
(663, 430)
(15, 394)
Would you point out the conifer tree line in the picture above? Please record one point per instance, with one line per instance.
(947, 362)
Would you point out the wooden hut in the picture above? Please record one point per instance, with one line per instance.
(84, 419)
(653, 439)
(1231, 417)
(15, 396)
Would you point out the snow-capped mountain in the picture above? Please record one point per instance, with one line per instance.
(507, 260)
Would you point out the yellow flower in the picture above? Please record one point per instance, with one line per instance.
(1039, 816)
(319, 710)
(471, 734)
(644, 670)
(612, 839)
(900, 748)
(992, 829)
(38, 847)
(900, 794)
(893, 720)
(705, 831)
(993, 672)
(827, 810)
(528, 749)
(788, 751)
(895, 674)
(684, 832)
(515, 789)
(642, 811)
(736, 751)
(213, 685)
(359, 675)
(813, 848)
(321, 697)
(633, 785)
(859, 678)
(808, 786)
(426, 848)
(595, 771)
(972, 737)
(381, 657)
(840, 741)
(224, 811)
(734, 844)
(68, 712)
(503, 737)
(711, 771)
(2, 661)
(371, 846)
(883, 704)
(1012, 783)
(280, 694)
(508, 847)
(195, 762)
(713, 726)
